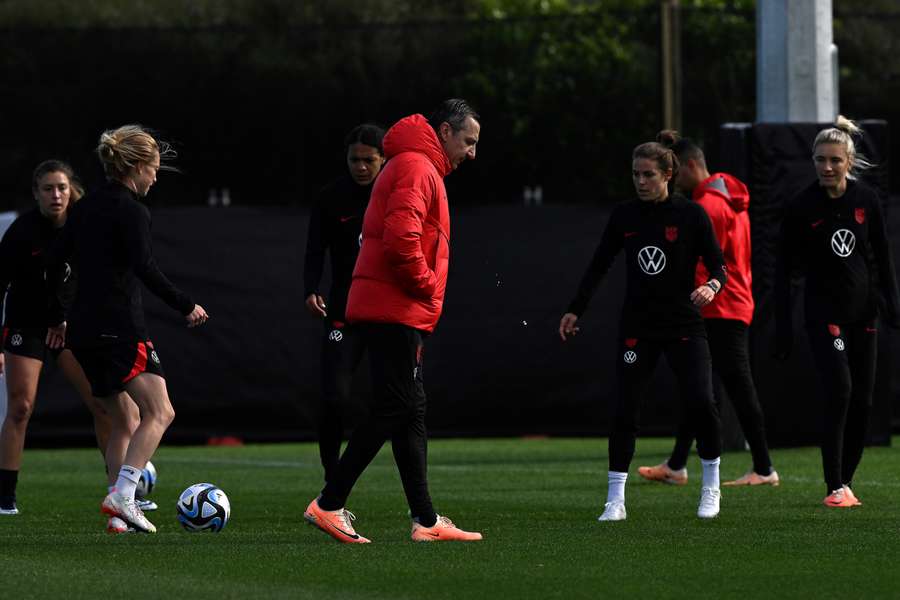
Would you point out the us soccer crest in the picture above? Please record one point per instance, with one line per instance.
(671, 233)
(860, 215)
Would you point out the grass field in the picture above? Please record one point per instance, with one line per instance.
(536, 501)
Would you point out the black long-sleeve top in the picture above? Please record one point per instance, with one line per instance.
(23, 250)
(107, 240)
(335, 225)
(662, 243)
(840, 245)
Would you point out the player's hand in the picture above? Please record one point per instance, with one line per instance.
(315, 304)
(702, 296)
(567, 325)
(196, 317)
(56, 336)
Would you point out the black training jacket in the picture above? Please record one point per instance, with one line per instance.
(662, 244)
(107, 240)
(335, 225)
(840, 246)
(22, 252)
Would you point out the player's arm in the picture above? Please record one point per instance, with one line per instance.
(713, 260)
(404, 222)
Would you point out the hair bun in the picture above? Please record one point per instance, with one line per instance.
(667, 137)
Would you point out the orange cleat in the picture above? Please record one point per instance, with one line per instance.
(443, 531)
(663, 473)
(849, 493)
(754, 478)
(839, 499)
(336, 523)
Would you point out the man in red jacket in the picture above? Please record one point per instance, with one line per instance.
(396, 298)
(725, 199)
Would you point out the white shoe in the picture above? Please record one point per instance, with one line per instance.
(117, 505)
(613, 511)
(709, 503)
(145, 505)
(117, 525)
(9, 510)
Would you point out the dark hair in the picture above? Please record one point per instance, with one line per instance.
(368, 134)
(684, 148)
(454, 112)
(58, 166)
(658, 151)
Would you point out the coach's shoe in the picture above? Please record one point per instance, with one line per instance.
(839, 498)
(442, 531)
(849, 493)
(663, 473)
(8, 506)
(754, 478)
(336, 523)
(117, 505)
(145, 505)
(709, 503)
(117, 525)
(613, 511)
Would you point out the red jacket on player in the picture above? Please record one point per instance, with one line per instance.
(725, 199)
(401, 272)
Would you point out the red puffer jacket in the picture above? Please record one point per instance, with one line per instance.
(725, 199)
(401, 272)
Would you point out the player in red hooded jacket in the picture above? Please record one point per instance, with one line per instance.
(396, 298)
(727, 319)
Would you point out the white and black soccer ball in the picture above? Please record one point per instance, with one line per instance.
(147, 481)
(203, 507)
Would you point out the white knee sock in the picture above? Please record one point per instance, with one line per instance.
(616, 490)
(711, 473)
(127, 481)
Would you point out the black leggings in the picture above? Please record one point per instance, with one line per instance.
(689, 359)
(845, 358)
(342, 350)
(729, 348)
(397, 413)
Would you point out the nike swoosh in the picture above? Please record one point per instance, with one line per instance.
(432, 534)
(817, 223)
(354, 536)
(345, 219)
(628, 234)
(35, 252)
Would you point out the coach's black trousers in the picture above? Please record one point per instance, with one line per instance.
(689, 359)
(729, 348)
(845, 357)
(397, 413)
(342, 350)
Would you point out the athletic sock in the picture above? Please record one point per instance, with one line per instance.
(426, 521)
(8, 480)
(711, 472)
(127, 481)
(616, 486)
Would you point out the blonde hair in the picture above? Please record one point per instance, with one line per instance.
(121, 150)
(842, 133)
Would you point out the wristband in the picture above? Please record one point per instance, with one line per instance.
(712, 286)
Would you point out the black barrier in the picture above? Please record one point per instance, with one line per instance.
(495, 365)
(777, 162)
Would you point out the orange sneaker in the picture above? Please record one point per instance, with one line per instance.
(849, 493)
(754, 478)
(336, 523)
(443, 531)
(663, 473)
(838, 499)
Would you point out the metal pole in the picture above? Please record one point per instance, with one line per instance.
(670, 63)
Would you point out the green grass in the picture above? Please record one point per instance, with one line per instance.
(536, 501)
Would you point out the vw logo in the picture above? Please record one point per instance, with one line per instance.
(843, 242)
(16, 340)
(839, 344)
(630, 357)
(336, 335)
(652, 260)
(154, 356)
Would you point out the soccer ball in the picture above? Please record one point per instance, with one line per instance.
(203, 507)
(147, 481)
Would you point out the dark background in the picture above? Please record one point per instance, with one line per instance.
(257, 96)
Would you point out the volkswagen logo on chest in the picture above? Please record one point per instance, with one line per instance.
(630, 357)
(843, 242)
(651, 260)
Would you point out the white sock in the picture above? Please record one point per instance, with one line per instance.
(616, 490)
(127, 481)
(711, 473)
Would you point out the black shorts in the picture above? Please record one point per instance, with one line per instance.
(28, 341)
(108, 368)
